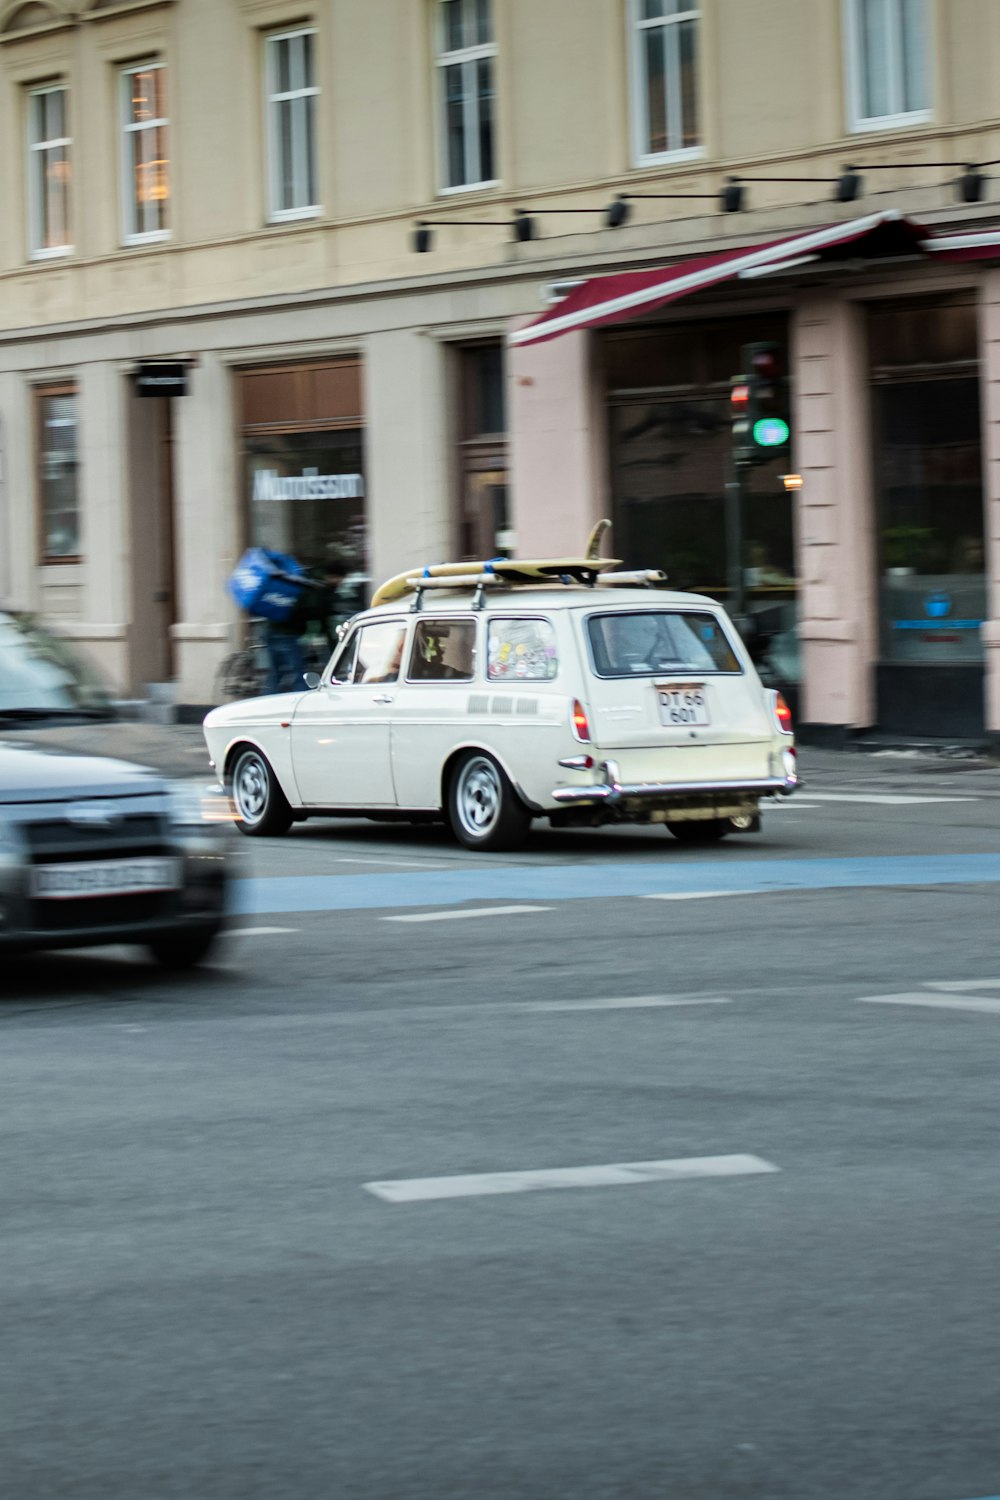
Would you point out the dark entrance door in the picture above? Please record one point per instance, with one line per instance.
(929, 513)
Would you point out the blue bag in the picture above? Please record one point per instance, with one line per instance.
(258, 586)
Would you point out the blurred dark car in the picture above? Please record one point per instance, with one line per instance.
(95, 850)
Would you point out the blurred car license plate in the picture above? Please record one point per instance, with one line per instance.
(105, 877)
(682, 704)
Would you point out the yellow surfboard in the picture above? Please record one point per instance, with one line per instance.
(512, 570)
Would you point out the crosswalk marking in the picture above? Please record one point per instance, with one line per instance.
(618, 1174)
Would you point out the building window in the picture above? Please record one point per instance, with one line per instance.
(145, 162)
(665, 74)
(291, 107)
(48, 172)
(57, 448)
(466, 57)
(887, 62)
(483, 521)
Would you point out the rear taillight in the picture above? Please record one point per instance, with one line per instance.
(578, 719)
(783, 714)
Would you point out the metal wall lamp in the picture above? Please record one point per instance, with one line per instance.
(848, 184)
(423, 231)
(971, 185)
(729, 200)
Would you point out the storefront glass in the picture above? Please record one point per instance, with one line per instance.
(671, 459)
(307, 495)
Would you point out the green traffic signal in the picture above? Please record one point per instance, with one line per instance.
(770, 432)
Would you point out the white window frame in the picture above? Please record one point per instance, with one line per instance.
(36, 152)
(127, 128)
(638, 95)
(272, 97)
(465, 56)
(854, 73)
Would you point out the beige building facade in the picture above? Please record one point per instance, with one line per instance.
(264, 263)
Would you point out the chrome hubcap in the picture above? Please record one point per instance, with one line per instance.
(250, 789)
(478, 798)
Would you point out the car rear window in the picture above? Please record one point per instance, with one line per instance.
(648, 642)
(522, 650)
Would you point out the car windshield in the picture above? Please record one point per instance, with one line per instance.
(652, 641)
(41, 677)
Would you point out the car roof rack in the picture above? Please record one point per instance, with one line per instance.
(588, 570)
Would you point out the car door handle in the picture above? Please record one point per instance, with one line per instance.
(382, 698)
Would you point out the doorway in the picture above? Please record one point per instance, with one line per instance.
(152, 528)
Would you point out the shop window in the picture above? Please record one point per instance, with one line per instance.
(887, 73)
(665, 39)
(49, 147)
(292, 93)
(145, 158)
(483, 520)
(58, 464)
(466, 59)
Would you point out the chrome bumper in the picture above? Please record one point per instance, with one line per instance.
(615, 790)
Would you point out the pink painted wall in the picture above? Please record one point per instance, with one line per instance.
(835, 530)
(989, 355)
(558, 447)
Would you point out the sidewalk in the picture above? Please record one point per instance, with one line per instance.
(179, 750)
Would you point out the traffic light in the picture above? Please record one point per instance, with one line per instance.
(759, 405)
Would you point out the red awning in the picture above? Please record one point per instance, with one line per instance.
(619, 298)
(978, 244)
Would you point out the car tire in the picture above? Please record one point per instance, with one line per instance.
(183, 949)
(484, 810)
(262, 809)
(704, 831)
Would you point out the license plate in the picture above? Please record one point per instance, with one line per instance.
(104, 877)
(682, 706)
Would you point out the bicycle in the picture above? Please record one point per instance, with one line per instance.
(243, 673)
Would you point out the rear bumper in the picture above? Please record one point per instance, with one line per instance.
(614, 790)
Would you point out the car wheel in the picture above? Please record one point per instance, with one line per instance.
(704, 831)
(183, 949)
(261, 806)
(484, 810)
(745, 823)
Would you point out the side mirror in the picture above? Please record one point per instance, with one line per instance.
(311, 679)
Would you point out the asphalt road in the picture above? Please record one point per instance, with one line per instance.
(254, 1242)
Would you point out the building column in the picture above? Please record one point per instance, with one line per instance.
(558, 445)
(838, 603)
(408, 469)
(18, 506)
(989, 357)
(207, 528)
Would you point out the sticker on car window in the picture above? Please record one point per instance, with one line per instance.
(522, 651)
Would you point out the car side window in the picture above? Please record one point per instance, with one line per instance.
(380, 651)
(443, 651)
(524, 650)
(343, 661)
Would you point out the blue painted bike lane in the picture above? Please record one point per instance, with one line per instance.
(272, 895)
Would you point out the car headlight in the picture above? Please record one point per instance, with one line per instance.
(193, 806)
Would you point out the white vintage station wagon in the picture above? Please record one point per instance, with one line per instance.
(493, 694)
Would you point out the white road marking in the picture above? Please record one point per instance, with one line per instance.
(790, 804)
(376, 859)
(621, 1002)
(619, 1174)
(476, 911)
(259, 931)
(698, 895)
(957, 986)
(883, 799)
(935, 1002)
